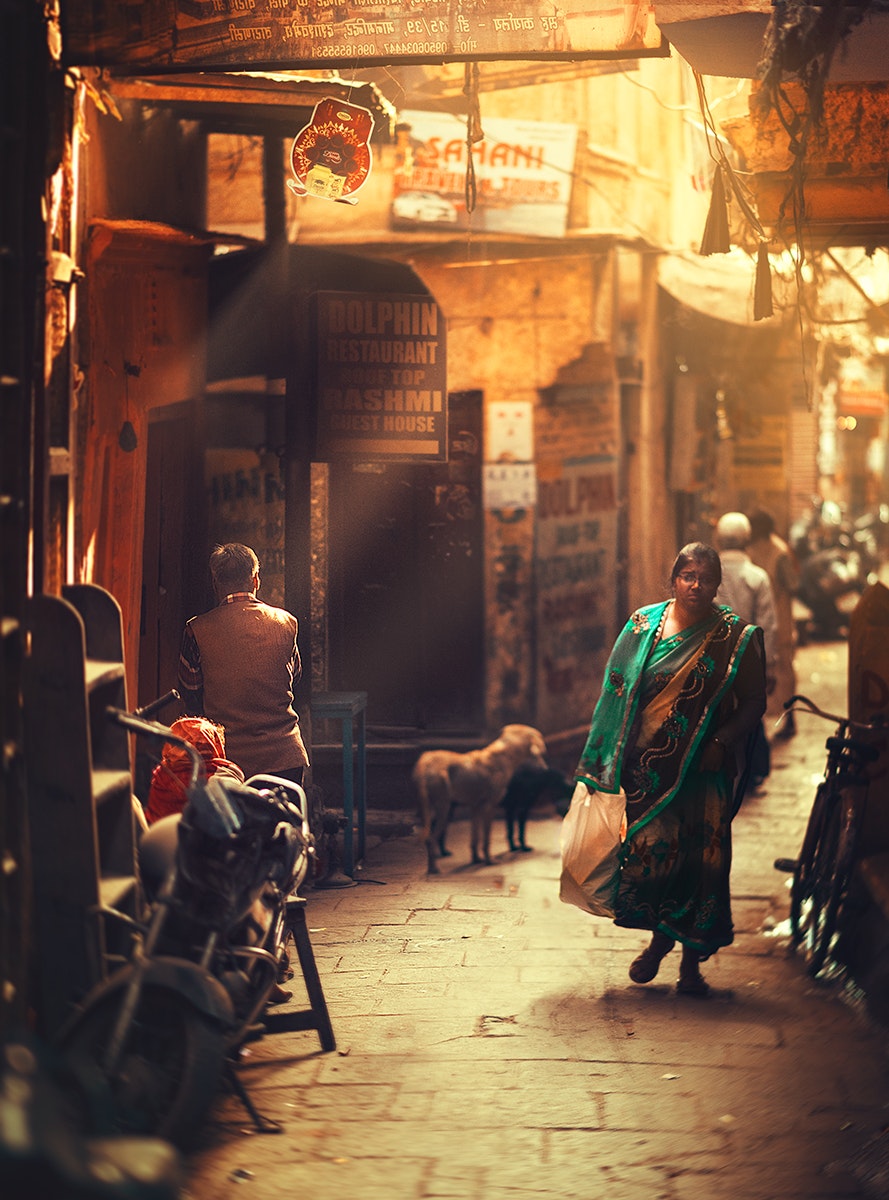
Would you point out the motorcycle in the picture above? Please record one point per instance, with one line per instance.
(831, 583)
(223, 921)
(832, 572)
(870, 534)
(42, 1152)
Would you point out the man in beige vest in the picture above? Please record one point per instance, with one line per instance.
(238, 664)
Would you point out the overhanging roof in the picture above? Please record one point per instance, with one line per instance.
(251, 102)
(731, 43)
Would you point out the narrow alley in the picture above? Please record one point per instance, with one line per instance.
(491, 1047)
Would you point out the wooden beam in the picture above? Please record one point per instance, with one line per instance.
(257, 104)
(860, 203)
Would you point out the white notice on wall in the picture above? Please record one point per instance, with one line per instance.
(510, 485)
(509, 437)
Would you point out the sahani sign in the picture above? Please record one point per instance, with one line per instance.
(382, 386)
(172, 34)
(523, 170)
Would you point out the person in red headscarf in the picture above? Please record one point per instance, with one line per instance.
(169, 780)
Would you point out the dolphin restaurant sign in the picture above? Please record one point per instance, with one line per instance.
(267, 34)
(382, 387)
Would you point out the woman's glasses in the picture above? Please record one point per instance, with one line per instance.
(690, 577)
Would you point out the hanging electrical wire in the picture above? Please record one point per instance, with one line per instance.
(716, 233)
(801, 40)
(474, 131)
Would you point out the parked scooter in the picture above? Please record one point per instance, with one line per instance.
(832, 572)
(831, 583)
(223, 921)
(870, 534)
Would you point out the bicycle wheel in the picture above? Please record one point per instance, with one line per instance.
(821, 877)
(168, 1070)
(804, 874)
(841, 836)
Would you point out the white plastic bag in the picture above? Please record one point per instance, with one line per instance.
(590, 844)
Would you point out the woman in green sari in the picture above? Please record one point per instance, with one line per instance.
(684, 687)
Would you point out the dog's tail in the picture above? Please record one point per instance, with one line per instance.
(422, 796)
(432, 784)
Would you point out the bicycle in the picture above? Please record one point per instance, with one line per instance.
(823, 870)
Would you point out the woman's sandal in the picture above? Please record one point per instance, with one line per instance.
(693, 985)
(644, 968)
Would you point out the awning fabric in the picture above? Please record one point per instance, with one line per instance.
(718, 285)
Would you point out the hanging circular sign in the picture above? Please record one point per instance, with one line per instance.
(331, 156)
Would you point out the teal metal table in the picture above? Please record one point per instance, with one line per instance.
(349, 708)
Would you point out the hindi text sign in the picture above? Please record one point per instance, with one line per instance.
(265, 34)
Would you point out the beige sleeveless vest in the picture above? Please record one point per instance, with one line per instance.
(250, 661)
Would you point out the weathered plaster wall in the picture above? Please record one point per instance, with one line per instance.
(513, 325)
(651, 534)
(515, 330)
(148, 166)
(844, 163)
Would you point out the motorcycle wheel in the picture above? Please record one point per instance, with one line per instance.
(169, 1068)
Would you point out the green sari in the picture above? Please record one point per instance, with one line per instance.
(662, 698)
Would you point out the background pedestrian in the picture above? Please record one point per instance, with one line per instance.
(746, 589)
(770, 552)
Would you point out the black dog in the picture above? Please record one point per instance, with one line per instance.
(527, 788)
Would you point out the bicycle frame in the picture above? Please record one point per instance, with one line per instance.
(824, 867)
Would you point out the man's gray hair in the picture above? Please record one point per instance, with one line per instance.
(733, 531)
(232, 568)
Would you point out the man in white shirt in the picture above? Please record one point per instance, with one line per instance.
(747, 590)
(778, 561)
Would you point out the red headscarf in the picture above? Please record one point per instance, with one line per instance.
(169, 780)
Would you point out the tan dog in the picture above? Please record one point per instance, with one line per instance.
(477, 780)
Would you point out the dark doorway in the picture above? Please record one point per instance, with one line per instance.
(170, 566)
(406, 583)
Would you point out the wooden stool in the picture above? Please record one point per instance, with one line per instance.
(316, 1016)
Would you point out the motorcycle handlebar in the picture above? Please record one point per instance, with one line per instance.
(153, 729)
(292, 801)
(137, 722)
(148, 710)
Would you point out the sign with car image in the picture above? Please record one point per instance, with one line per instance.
(523, 173)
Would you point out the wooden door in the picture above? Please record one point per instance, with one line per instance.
(173, 558)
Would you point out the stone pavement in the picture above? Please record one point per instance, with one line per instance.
(491, 1046)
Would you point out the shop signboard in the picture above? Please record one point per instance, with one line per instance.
(760, 453)
(523, 172)
(862, 391)
(863, 402)
(268, 34)
(382, 377)
(576, 572)
(245, 492)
